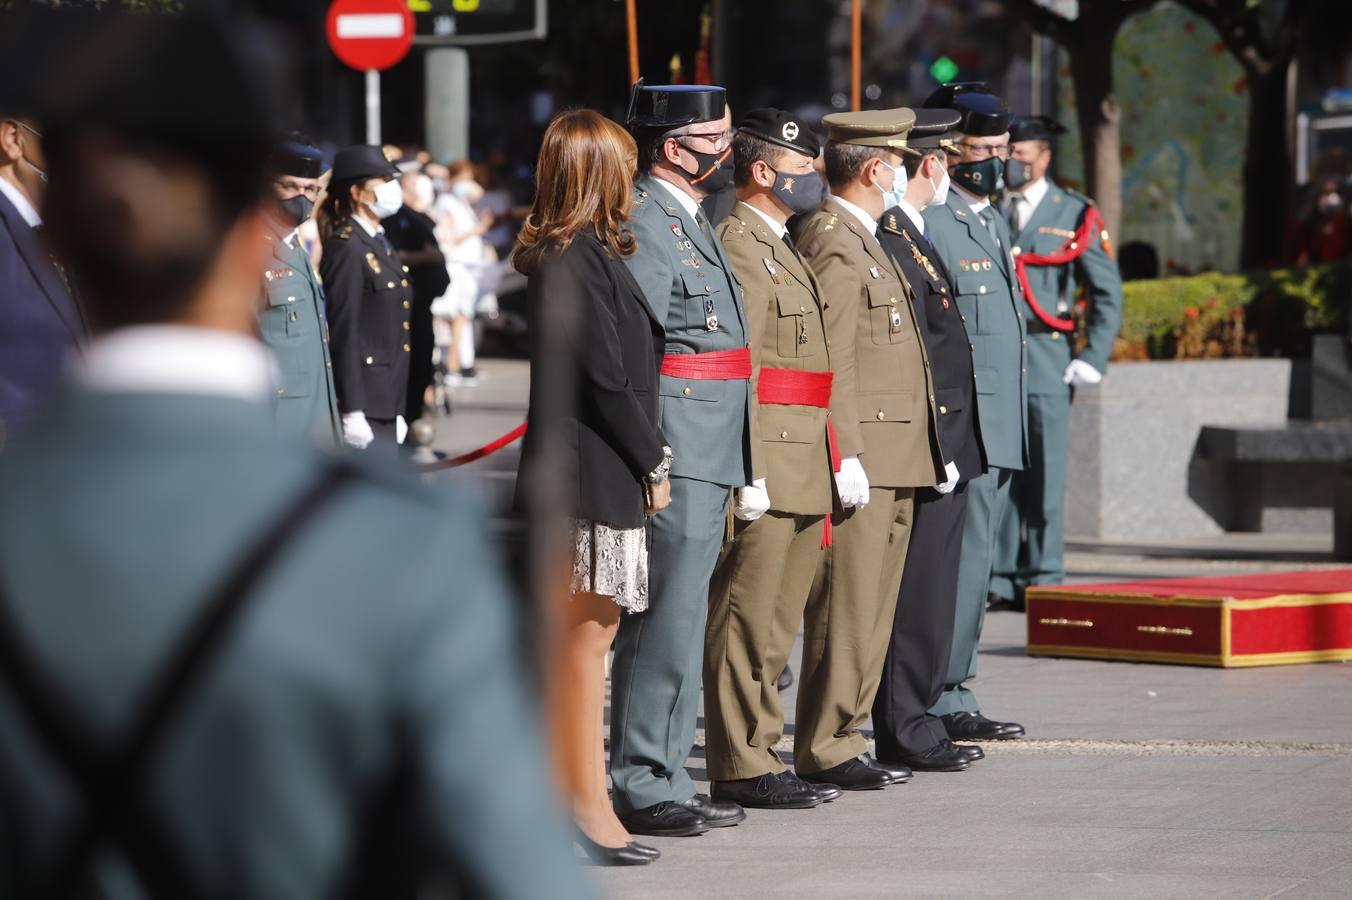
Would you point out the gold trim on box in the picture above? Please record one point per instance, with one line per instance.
(1162, 629)
(1069, 623)
(1276, 600)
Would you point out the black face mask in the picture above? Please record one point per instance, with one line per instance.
(800, 193)
(981, 178)
(296, 209)
(714, 172)
(1018, 174)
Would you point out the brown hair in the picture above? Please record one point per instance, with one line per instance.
(584, 180)
(337, 206)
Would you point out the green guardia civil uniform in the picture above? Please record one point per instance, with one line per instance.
(688, 280)
(292, 323)
(975, 247)
(1030, 546)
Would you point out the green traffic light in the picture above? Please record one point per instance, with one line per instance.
(944, 70)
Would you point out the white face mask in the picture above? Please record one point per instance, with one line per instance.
(898, 193)
(389, 199)
(940, 190)
(423, 191)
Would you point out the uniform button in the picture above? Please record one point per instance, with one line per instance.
(802, 309)
(1074, 246)
(1015, 252)
(893, 299)
(783, 434)
(290, 299)
(1056, 336)
(686, 392)
(370, 360)
(407, 348)
(931, 398)
(943, 410)
(972, 347)
(390, 285)
(405, 268)
(328, 364)
(1025, 371)
(981, 290)
(405, 304)
(1025, 343)
(881, 415)
(708, 289)
(280, 392)
(406, 326)
(403, 282)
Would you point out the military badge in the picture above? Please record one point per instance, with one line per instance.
(274, 274)
(711, 323)
(923, 260)
(676, 228)
(875, 272)
(371, 261)
(986, 264)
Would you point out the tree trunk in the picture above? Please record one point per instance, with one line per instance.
(1091, 69)
(1267, 170)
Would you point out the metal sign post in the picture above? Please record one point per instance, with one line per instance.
(373, 106)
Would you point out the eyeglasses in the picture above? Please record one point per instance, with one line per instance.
(985, 151)
(291, 187)
(720, 139)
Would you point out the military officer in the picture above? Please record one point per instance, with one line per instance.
(883, 408)
(291, 316)
(369, 298)
(685, 152)
(763, 579)
(971, 239)
(1061, 246)
(922, 631)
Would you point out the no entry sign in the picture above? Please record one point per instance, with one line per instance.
(370, 35)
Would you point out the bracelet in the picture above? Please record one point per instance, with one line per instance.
(663, 470)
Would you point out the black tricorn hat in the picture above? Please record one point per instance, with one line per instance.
(296, 156)
(669, 106)
(1035, 128)
(982, 114)
(361, 161)
(780, 127)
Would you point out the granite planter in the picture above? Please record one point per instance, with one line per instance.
(1134, 472)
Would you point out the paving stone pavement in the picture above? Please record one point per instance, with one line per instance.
(1136, 781)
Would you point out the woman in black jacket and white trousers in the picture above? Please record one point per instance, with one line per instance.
(594, 442)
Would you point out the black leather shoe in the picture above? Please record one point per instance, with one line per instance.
(851, 775)
(971, 751)
(942, 757)
(631, 854)
(718, 813)
(900, 774)
(665, 819)
(827, 792)
(769, 791)
(967, 726)
(785, 679)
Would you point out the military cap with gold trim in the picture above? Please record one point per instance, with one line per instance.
(887, 128)
(933, 130)
(982, 113)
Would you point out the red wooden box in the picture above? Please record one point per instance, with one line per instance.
(1248, 620)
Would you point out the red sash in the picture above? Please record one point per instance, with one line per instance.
(790, 387)
(719, 365)
(1070, 251)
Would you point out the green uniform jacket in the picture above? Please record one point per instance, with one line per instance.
(882, 401)
(689, 283)
(292, 323)
(993, 310)
(123, 512)
(1056, 219)
(784, 322)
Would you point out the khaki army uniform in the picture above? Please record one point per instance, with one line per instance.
(882, 404)
(765, 574)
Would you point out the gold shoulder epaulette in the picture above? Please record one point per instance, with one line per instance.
(891, 224)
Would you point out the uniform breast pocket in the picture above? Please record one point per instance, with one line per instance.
(798, 324)
(887, 313)
(284, 317)
(975, 289)
(701, 300)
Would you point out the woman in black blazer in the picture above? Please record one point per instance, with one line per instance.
(594, 442)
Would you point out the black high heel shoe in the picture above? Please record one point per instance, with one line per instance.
(631, 854)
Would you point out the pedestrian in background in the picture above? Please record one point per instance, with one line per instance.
(370, 298)
(461, 235)
(592, 327)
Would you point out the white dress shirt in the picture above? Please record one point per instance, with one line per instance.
(26, 210)
(178, 359)
(370, 229)
(776, 228)
(976, 203)
(1026, 202)
(687, 202)
(870, 224)
(914, 215)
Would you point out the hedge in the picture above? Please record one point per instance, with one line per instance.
(1275, 311)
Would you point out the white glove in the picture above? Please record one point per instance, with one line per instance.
(400, 429)
(951, 471)
(852, 483)
(753, 501)
(1080, 372)
(357, 431)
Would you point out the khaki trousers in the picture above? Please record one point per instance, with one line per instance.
(848, 627)
(756, 602)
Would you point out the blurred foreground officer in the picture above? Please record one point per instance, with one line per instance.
(249, 705)
(684, 153)
(1062, 245)
(971, 239)
(764, 577)
(40, 322)
(922, 630)
(370, 297)
(882, 404)
(291, 314)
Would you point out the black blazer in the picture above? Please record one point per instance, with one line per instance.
(40, 322)
(950, 352)
(595, 352)
(369, 298)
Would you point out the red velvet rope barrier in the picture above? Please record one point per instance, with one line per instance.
(1070, 251)
(473, 455)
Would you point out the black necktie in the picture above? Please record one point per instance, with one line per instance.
(1015, 213)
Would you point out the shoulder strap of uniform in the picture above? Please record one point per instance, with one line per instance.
(112, 782)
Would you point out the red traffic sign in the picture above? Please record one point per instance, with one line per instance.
(370, 34)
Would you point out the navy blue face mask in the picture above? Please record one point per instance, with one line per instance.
(1018, 174)
(800, 193)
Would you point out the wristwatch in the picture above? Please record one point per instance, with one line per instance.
(663, 470)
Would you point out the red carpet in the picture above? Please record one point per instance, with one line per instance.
(1277, 618)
